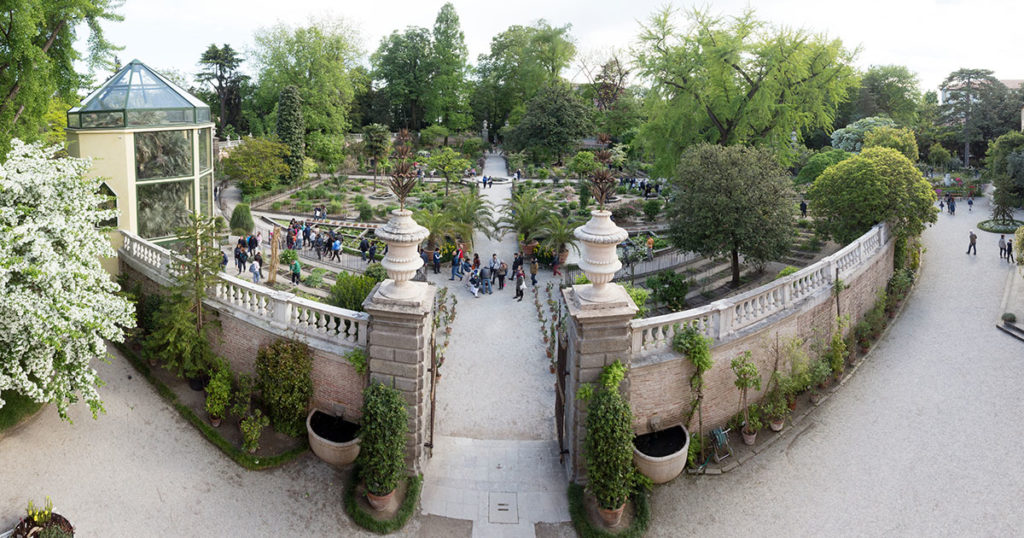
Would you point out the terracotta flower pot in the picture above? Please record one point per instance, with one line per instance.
(748, 438)
(611, 518)
(777, 425)
(379, 503)
(215, 422)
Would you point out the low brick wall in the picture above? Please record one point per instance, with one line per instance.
(337, 388)
(660, 385)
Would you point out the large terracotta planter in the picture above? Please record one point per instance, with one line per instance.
(379, 502)
(611, 518)
(336, 453)
(661, 467)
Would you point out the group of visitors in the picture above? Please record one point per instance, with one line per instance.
(1005, 246)
(643, 185)
(482, 275)
(319, 213)
(247, 256)
(949, 204)
(486, 182)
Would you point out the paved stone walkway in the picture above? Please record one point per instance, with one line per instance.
(923, 441)
(495, 437)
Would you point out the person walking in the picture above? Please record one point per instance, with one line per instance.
(952, 206)
(803, 208)
(1002, 246)
(485, 280)
(502, 272)
(476, 261)
(371, 254)
(258, 258)
(223, 261)
(1009, 250)
(517, 263)
(456, 266)
(972, 246)
(242, 258)
(494, 265)
(318, 246)
(520, 284)
(336, 250)
(437, 261)
(255, 270)
(970, 204)
(296, 272)
(534, 267)
(364, 245)
(650, 247)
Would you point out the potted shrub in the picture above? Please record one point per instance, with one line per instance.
(819, 373)
(218, 394)
(608, 446)
(42, 522)
(747, 377)
(382, 454)
(284, 378)
(252, 428)
(775, 411)
(560, 237)
(332, 438)
(1009, 318)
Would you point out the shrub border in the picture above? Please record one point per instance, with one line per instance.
(387, 526)
(991, 226)
(241, 457)
(641, 519)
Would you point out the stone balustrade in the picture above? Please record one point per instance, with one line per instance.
(324, 326)
(726, 318)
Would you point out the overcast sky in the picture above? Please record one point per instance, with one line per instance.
(931, 37)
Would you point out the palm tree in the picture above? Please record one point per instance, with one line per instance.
(440, 225)
(525, 213)
(560, 234)
(472, 211)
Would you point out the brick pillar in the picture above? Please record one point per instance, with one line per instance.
(398, 345)
(599, 334)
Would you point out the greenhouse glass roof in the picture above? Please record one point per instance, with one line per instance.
(138, 96)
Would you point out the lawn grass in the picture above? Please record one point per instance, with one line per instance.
(16, 409)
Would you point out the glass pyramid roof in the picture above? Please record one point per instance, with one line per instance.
(137, 95)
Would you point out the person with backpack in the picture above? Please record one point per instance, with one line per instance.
(485, 280)
(336, 250)
(372, 253)
(258, 259)
(296, 271)
(255, 270)
(520, 284)
(242, 258)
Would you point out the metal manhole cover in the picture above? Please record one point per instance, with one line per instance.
(502, 508)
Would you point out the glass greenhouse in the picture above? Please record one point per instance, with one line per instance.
(152, 143)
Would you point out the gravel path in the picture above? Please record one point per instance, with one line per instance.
(921, 442)
(495, 382)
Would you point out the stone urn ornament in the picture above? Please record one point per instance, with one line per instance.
(403, 235)
(599, 237)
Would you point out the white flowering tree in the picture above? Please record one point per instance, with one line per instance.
(57, 304)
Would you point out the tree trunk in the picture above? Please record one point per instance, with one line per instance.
(735, 267)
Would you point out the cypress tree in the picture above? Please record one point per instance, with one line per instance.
(291, 129)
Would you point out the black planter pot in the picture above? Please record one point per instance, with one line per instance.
(198, 383)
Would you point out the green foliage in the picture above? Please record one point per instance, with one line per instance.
(980, 105)
(731, 200)
(879, 185)
(315, 278)
(241, 218)
(16, 407)
(818, 163)
(890, 90)
(358, 359)
(1005, 162)
(317, 59)
(291, 129)
(719, 80)
(376, 271)
(350, 290)
(382, 449)
(284, 377)
(786, 271)
(252, 428)
(608, 445)
(288, 256)
(365, 211)
(53, 531)
(586, 529)
(901, 140)
(433, 135)
(939, 156)
(371, 522)
(697, 348)
(651, 209)
(851, 138)
(218, 392)
(553, 122)
(584, 195)
(472, 147)
(835, 353)
(449, 164)
(747, 377)
(525, 213)
(583, 163)
(639, 296)
(669, 288)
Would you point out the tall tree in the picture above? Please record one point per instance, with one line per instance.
(879, 185)
(58, 307)
(403, 65)
(447, 103)
(317, 59)
(735, 81)
(980, 106)
(37, 57)
(449, 163)
(377, 144)
(554, 120)
(291, 129)
(220, 70)
(890, 90)
(1005, 162)
(731, 200)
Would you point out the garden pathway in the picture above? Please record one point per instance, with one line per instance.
(495, 428)
(921, 441)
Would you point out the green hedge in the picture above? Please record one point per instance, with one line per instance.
(16, 409)
(367, 521)
(241, 457)
(578, 512)
(999, 227)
